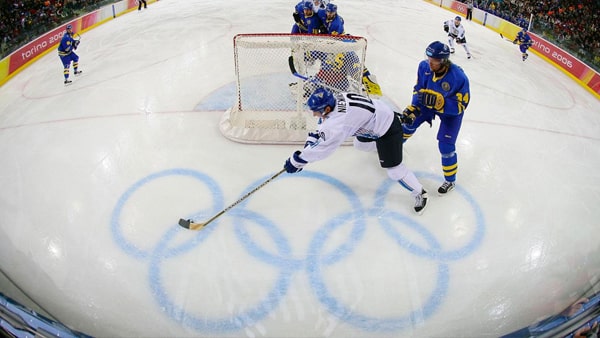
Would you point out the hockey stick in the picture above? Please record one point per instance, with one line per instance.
(307, 78)
(189, 224)
(517, 43)
(293, 67)
(507, 39)
(77, 39)
(311, 79)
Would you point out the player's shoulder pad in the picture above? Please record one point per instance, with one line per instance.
(458, 73)
(424, 64)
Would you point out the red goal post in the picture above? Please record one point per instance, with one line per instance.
(270, 103)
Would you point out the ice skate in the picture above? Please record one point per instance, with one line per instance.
(68, 82)
(421, 202)
(446, 187)
(77, 72)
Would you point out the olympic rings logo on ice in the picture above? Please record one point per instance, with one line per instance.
(319, 257)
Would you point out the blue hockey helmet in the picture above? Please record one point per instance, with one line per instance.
(69, 26)
(331, 8)
(438, 50)
(458, 18)
(308, 5)
(320, 99)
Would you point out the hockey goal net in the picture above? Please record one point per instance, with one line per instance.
(270, 102)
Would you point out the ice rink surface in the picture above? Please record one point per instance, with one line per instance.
(96, 175)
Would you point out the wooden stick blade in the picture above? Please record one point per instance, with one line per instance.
(188, 224)
(196, 226)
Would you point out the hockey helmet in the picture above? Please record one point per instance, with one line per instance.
(438, 50)
(458, 18)
(308, 5)
(69, 26)
(332, 8)
(320, 99)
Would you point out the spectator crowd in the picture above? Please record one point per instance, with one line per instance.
(571, 24)
(22, 21)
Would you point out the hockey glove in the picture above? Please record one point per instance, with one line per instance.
(409, 115)
(446, 29)
(297, 18)
(431, 99)
(515, 41)
(311, 140)
(295, 163)
(76, 44)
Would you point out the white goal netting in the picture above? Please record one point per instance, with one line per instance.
(270, 100)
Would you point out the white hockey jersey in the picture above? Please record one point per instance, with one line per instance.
(354, 115)
(455, 31)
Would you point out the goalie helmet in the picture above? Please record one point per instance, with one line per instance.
(438, 50)
(320, 99)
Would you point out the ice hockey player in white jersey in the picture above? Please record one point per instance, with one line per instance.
(456, 31)
(319, 7)
(375, 127)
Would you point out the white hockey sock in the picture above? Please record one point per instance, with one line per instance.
(406, 178)
(466, 48)
(451, 42)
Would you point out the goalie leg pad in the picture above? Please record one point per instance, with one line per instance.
(371, 87)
